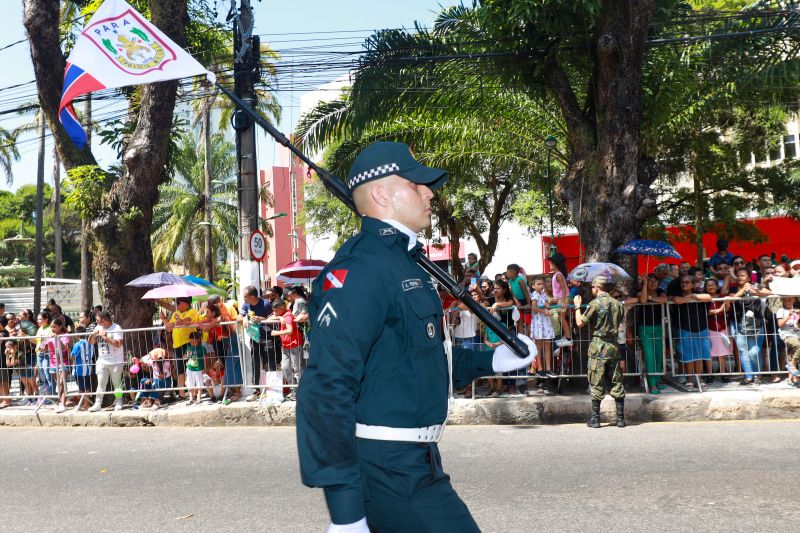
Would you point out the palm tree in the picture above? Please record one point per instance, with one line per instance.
(177, 233)
(8, 153)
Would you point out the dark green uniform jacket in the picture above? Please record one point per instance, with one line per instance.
(376, 358)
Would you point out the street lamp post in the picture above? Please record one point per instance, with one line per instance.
(293, 234)
(550, 144)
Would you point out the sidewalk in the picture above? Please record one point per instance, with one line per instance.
(722, 402)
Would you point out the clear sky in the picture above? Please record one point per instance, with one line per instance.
(304, 31)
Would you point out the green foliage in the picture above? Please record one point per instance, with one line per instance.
(84, 189)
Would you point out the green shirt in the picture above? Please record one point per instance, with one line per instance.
(194, 357)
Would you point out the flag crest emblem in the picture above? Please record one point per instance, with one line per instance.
(127, 42)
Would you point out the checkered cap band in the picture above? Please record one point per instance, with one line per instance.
(373, 173)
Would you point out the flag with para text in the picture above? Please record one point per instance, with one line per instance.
(119, 47)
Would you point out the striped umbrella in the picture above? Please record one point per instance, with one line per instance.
(301, 272)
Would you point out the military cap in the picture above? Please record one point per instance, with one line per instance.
(601, 282)
(384, 158)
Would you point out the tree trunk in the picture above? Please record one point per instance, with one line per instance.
(57, 237)
(122, 231)
(699, 225)
(39, 251)
(607, 182)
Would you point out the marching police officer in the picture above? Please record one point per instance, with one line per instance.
(605, 375)
(373, 401)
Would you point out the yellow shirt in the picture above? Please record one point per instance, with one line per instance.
(180, 335)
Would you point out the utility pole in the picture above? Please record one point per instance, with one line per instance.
(57, 237)
(209, 259)
(246, 50)
(39, 252)
(87, 291)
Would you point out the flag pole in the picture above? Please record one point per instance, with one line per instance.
(338, 189)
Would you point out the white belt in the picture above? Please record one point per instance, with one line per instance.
(426, 434)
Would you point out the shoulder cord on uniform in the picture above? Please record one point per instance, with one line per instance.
(448, 351)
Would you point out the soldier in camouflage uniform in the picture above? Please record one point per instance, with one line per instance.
(605, 375)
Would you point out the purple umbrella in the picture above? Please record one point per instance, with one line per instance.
(157, 279)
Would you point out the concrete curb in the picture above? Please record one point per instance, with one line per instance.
(720, 405)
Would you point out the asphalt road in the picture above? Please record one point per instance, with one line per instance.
(716, 476)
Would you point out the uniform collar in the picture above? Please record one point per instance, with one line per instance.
(390, 232)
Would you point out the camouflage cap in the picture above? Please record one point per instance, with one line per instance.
(601, 282)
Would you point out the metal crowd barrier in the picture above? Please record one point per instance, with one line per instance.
(660, 339)
(228, 366)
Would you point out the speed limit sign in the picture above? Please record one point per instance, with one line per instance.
(258, 245)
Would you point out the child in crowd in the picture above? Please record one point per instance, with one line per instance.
(160, 370)
(183, 317)
(57, 347)
(542, 328)
(11, 356)
(213, 380)
(718, 334)
(291, 345)
(195, 353)
(82, 357)
(789, 332)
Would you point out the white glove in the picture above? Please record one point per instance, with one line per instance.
(355, 527)
(504, 360)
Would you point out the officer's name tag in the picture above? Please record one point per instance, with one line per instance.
(409, 284)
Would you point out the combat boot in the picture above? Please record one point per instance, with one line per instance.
(621, 413)
(594, 422)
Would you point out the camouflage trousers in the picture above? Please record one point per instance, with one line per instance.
(604, 372)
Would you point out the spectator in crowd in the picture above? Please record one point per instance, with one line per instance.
(465, 324)
(789, 330)
(674, 288)
(764, 263)
(558, 264)
(27, 369)
(472, 264)
(56, 311)
(487, 289)
(299, 300)
(722, 277)
(782, 270)
(254, 313)
(46, 384)
(181, 324)
(195, 358)
(108, 338)
(542, 329)
(213, 379)
(718, 335)
(522, 295)
(291, 345)
(694, 346)
(674, 272)
(86, 319)
(2, 308)
(794, 268)
(662, 274)
(774, 345)
(737, 263)
(160, 377)
(649, 321)
(10, 360)
(505, 310)
(699, 281)
(82, 358)
(747, 325)
(721, 257)
(56, 348)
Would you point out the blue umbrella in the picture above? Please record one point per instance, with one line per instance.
(157, 279)
(647, 247)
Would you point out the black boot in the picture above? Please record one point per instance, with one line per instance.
(594, 422)
(621, 413)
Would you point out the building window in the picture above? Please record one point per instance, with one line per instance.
(790, 146)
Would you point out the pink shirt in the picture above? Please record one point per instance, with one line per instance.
(50, 345)
(558, 279)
